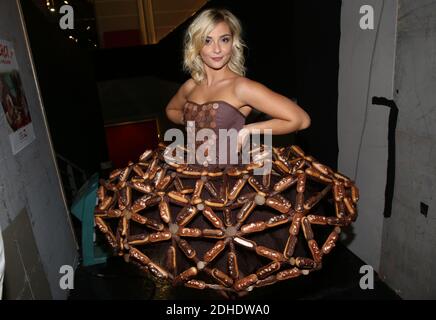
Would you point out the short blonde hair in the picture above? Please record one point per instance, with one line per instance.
(195, 38)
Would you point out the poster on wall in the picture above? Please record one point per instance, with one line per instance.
(13, 100)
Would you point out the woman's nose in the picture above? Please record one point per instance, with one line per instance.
(216, 48)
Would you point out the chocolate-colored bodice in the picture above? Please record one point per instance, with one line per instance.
(218, 116)
(214, 115)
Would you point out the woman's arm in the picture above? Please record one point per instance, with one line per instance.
(174, 109)
(287, 115)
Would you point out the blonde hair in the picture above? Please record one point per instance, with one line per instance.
(195, 38)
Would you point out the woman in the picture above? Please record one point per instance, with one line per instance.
(223, 227)
(214, 58)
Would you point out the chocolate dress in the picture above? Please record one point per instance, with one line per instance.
(210, 226)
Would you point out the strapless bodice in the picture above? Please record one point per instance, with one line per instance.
(214, 115)
(223, 120)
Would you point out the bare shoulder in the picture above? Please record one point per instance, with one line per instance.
(179, 99)
(187, 87)
(243, 82)
(244, 87)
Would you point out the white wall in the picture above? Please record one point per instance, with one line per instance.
(409, 238)
(366, 69)
(29, 179)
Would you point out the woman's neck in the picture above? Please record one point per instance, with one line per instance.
(213, 76)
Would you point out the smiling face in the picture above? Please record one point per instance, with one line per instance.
(217, 49)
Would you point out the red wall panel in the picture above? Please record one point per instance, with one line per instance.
(127, 141)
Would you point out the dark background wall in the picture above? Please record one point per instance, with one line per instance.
(69, 91)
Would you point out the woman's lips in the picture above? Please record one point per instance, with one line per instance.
(217, 58)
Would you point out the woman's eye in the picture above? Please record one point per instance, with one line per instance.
(207, 41)
(225, 40)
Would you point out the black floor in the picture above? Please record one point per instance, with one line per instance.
(339, 279)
